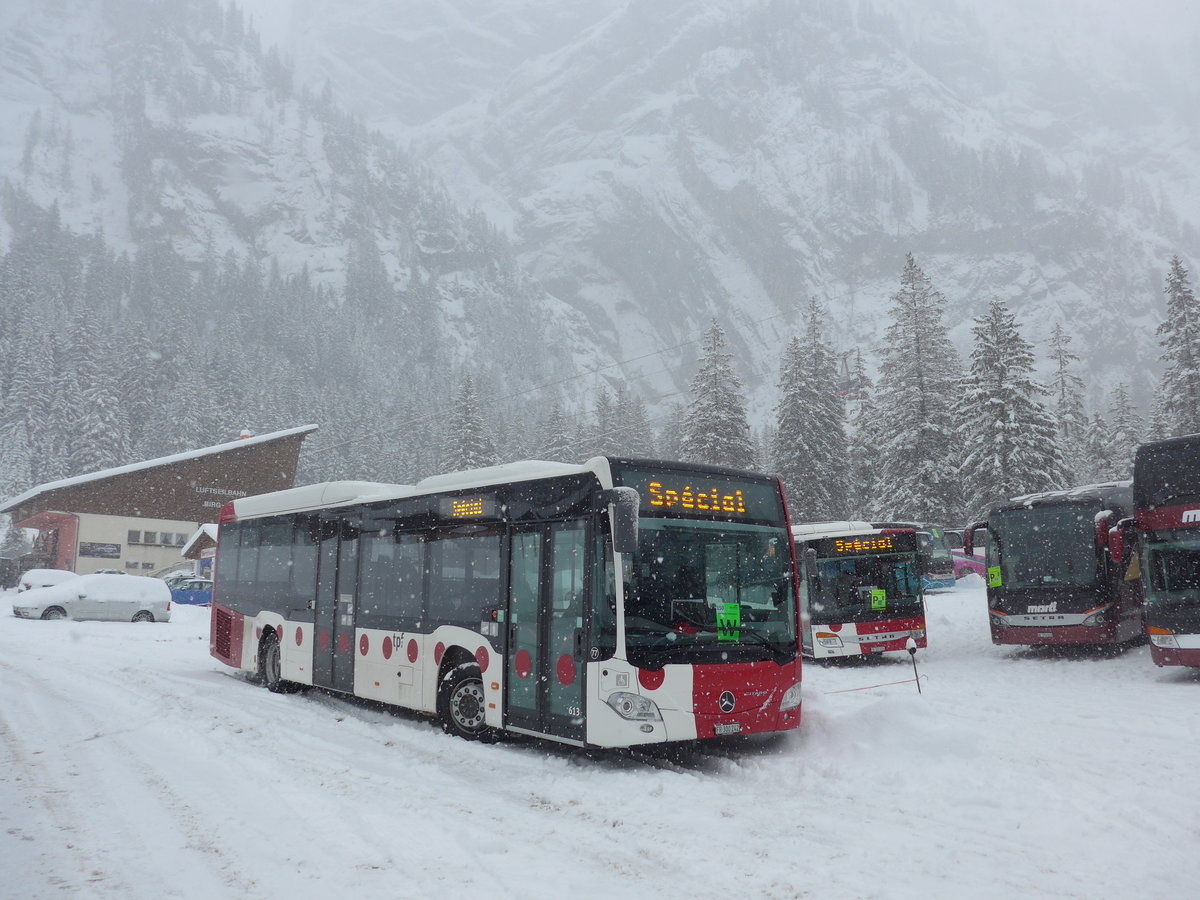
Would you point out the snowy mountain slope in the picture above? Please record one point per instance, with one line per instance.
(167, 123)
(674, 160)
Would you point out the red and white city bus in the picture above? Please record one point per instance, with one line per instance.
(1166, 496)
(860, 588)
(609, 604)
(1050, 576)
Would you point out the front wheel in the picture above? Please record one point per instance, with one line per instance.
(54, 612)
(461, 703)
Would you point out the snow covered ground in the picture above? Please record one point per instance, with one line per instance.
(133, 765)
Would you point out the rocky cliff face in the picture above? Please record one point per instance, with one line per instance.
(659, 163)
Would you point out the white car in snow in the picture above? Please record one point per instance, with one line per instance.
(39, 578)
(118, 598)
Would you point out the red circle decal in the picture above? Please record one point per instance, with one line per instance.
(437, 653)
(387, 648)
(323, 639)
(363, 645)
(651, 679)
(523, 664)
(299, 635)
(412, 651)
(343, 642)
(481, 657)
(566, 669)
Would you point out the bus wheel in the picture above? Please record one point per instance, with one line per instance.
(54, 612)
(268, 666)
(461, 703)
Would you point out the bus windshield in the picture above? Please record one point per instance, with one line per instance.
(1173, 567)
(865, 588)
(1044, 546)
(935, 546)
(699, 589)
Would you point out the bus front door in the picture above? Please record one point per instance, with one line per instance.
(333, 650)
(544, 671)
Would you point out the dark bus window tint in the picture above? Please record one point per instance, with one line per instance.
(604, 604)
(304, 562)
(464, 579)
(391, 574)
(275, 553)
(247, 568)
(228, 539)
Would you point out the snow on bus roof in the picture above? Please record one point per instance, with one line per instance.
(344, 493)
(1083, 492)
(152, 464)
(811, 530)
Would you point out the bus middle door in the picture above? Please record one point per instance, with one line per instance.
(544, 672)
(337, 582)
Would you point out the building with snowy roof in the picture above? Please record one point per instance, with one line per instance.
(139, 518)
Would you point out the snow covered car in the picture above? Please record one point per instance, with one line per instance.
(40, 578)
(119, 598)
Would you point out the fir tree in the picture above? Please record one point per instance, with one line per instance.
(717, 431)
(468, 445)
(1125, 433)
(631, 425)
(809, 446)
(1010, 442)
(916, 441)
(1179, 335)
(1066, 394)
(554, 437)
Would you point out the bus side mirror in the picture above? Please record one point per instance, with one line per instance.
(624, 504)
(969, 537)
(1118, 538)
(1103, 527)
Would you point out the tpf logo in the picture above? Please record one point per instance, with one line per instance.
(1191, 515)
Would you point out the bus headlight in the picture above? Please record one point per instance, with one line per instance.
(998, 621)
(1096, 618)
(791, 698)
(634, 707)
(828, 640)
(1163, 639)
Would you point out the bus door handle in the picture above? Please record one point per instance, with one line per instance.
(578, 643)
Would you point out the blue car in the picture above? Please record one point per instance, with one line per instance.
(193, 592)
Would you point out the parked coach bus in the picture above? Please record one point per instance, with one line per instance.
(532, 597)
(1166, 494)
(860, 589)
(1050, 577)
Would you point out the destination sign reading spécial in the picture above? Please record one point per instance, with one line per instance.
(863, 544)
(695, 499)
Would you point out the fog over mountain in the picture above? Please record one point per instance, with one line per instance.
(661, 162)
(560, 185)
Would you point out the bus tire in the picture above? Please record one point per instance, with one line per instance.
(269, 666)
(461, 703)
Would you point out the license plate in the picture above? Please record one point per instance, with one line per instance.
(728, 728)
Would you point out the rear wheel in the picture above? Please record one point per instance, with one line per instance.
(269, 666)
(143, 616)
(54, 612)
(461, 703)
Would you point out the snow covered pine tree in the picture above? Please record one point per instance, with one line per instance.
(1010, 442)
(716, 430)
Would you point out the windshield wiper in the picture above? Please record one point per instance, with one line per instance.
(776, 647)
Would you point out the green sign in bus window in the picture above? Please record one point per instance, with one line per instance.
(994, 579)
(878, 598)
(729, 622)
